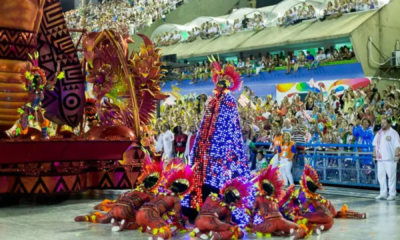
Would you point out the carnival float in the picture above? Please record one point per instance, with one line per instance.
(70, 123)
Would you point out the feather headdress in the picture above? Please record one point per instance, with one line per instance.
(229, 74)
(271, 176)
(152, 168)
(183, 175)
(240, 187)
(309, 174)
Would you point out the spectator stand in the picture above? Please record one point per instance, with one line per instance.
(264, 80)
(304, 10)
(344, 166)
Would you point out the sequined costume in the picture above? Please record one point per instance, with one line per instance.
(269, 184)
(215, 217)
(150, 216)
(219, 151)
(122, 212)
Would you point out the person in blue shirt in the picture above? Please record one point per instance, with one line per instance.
(364, 135)
(309, 57)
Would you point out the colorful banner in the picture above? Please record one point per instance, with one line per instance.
(301, 88)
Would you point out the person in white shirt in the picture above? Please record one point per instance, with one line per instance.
(164, 142)
(241, 64)
(237, 25)
(175, 38)
(228, 28)
(190, 141)
(321, 56)
(386, 154)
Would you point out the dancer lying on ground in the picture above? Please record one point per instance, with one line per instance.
(215, 218)
(319, 211)
(270, 185)
(178, 183)
(124, 209)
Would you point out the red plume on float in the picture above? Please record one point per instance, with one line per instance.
(229, 74)
(271, 176)
(152, 168)
(242, 186)
(183, 175)
(309, 174)
(146, 40)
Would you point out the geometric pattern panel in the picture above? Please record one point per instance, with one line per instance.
(65, 104)
(16, 44)
(24, 185)
(46, 184)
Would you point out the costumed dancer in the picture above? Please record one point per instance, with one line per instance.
(35, 83)
(215, 218)
(91, 112)
(269, 184)
(150, 216)
(319, 211)
(124, 209)
(219, 152)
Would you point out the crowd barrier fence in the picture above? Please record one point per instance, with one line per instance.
(336, 164)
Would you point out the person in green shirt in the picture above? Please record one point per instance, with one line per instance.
(261, 162)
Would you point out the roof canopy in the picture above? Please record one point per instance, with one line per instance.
(168, 28)
(240, 13)
(200, 20)
(280, 9)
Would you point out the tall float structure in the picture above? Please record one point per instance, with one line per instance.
(126, 88)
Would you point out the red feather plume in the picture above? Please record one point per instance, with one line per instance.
(274, 177)
(150, 167)
(181, 172)
(309, 173)
(229, 73)
(240, 184)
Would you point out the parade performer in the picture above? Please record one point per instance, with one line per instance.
(319, 211)
(35, 84)
(219, 154)
(125, 207)
(150, 216)
(91, 112)
(269, 184)
(215, 218)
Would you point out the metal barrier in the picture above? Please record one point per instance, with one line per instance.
(346, 166)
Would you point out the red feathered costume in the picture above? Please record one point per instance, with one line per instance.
(317, 210)
(179, 183)
(314, 208)
(125, 207)
(266, 204)
(215, 217)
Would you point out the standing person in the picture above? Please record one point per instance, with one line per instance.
(180, 141)
(164, 142)
(190, 140)
(286, 150)
(276, 142)
(386, 154)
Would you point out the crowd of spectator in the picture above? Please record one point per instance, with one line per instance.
(200, 72)
(340, 7)
(121, 15)
(257, 22)
(348, 117)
